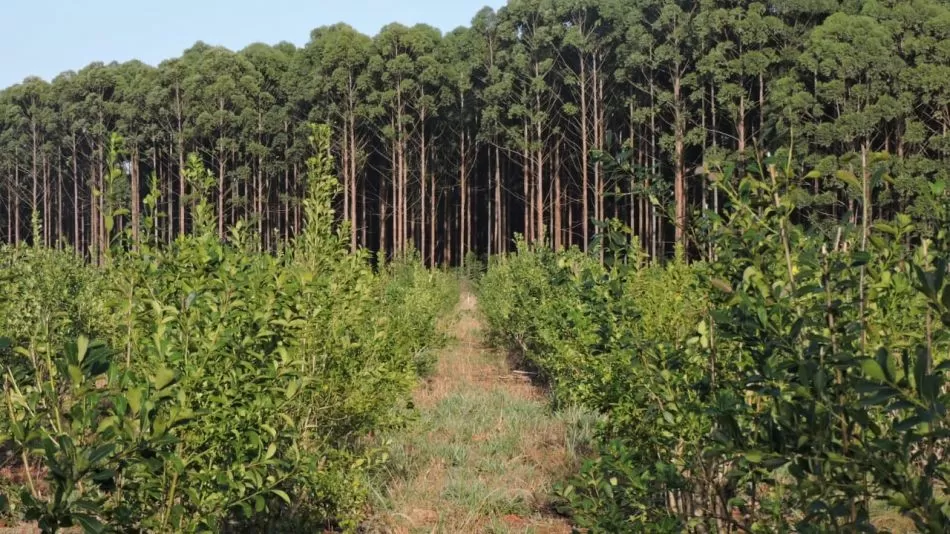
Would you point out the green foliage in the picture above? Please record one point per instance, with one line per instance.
(413, 299)
(242, 386)
(473, 267)
(48, 297)
(792, 383)
(96, 430)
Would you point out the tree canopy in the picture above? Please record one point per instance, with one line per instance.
(452, 144)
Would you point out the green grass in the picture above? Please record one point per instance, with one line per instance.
(483, 452)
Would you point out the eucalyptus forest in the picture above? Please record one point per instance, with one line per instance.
(582, 265)
(452, 143)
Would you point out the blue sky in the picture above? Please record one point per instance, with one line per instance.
(46, 37)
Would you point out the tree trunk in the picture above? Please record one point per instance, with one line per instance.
(432, 222)
(93, 209)
(170, 184)
(158, 191)
(100, 185)
(539, 169)
(448, 232)
(423, 178)
(364, 214)
(15, 191)
(585, 176)
(500, 233)
(680, 171)
(259, 197)
(740, 126)
(599, 144)
(221, 164)
(397, 174)
(528, 200)
(47, 211)
(383, 245)
(635, 203)
(463, 186)
(136, 190)
(655, 168)
(77, 215)
(556, 230)
(35, 176)
(353, 185)
(345, 166)
(60, 220)
(182, 185)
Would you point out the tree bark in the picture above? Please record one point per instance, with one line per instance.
(585, 167)
(556, 230)
(501, 247)
(77, 216)
(463, 186)
(182, 185)
(680, 171)
(353, 180)
(136, 201)
(539, 168)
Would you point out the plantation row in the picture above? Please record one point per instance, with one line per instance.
(204, 385)
(793, 381)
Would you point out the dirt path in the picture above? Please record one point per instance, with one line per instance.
(486, 448)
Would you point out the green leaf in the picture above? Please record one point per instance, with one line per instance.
(282, 494)
(89, 523)
(835, 457)
(721, 285)
(849, 178)
(271, 451)
(82, 346)
(938, 187)
(163, 378)
(886, 228)
(75, 374)
(292, 389)
(873, 370)
(754, 457)
(860, 258)
(101, 452)
(920, 366)
(908, 423)
(900, 501)
(134, 396)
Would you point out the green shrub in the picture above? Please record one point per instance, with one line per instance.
(47, 297)
(793, 383)
(240, 387)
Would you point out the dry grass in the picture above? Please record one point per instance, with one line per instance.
(887, 519)
(485, 451)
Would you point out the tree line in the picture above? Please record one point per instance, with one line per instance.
(450, 144)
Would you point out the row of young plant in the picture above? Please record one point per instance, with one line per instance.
(207, 386)
(793, 380)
